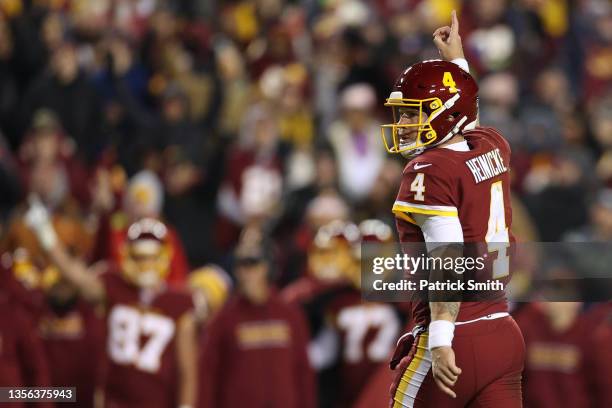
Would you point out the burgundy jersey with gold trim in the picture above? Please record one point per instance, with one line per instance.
(472, 185)
(141, 343)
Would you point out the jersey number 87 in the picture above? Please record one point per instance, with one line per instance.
(127, 325)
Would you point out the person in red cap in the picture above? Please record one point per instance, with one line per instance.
(150, 339)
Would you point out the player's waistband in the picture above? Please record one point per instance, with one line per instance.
(416, 330)
(491, 316)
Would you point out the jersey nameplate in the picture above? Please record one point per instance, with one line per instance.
(486, 166)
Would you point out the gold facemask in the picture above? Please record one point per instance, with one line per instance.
(426, 135)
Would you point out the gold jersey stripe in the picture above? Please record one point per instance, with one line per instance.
(410, 370)
(417, 210)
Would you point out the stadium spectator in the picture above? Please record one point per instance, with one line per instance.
(600, 227)
(10, 185)
(9, 98)
(251, 189)
(67, 92)
(49, 163)
(357, 151)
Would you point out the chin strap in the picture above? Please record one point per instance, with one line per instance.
(456, 129)
(447, 105)
(409, 154)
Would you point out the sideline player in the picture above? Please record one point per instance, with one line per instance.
(455, 189)
(151, 336)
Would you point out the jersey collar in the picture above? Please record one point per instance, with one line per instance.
(461, 146)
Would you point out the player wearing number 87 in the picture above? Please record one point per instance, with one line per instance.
(454, 191)
(151, 338)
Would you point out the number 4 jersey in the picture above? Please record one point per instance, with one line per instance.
(472, 185)
(141, 350)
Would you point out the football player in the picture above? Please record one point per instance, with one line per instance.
(68, 327)
(151, 337)
(353, 337)
(72, 335)
(330, 259)
(365, 330)
(454, 190)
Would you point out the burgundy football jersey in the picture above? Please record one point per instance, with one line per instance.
(472, 185)
(563, 367)
(73, 342)
(141, 333)
(367, 333)
(22, 358)
(255, 355)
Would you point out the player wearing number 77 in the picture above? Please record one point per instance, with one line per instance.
(454, 191)
(151, 336)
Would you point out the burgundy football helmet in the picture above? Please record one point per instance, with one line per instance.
(332, 255)
(442, 90)
(146, 253)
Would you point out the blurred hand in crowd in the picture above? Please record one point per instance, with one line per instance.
(102, 196)
(181, 177)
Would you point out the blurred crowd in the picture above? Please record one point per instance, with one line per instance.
(228, 118)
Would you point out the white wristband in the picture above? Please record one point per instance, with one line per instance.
(463, 64)
(441, 333)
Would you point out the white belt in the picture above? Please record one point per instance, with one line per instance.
(491, 316)
(416, 330)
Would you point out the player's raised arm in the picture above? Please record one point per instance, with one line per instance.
(448, 40)
(38, 220)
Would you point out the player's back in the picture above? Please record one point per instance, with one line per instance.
(472, 185)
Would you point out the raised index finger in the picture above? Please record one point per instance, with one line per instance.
(454, 23)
